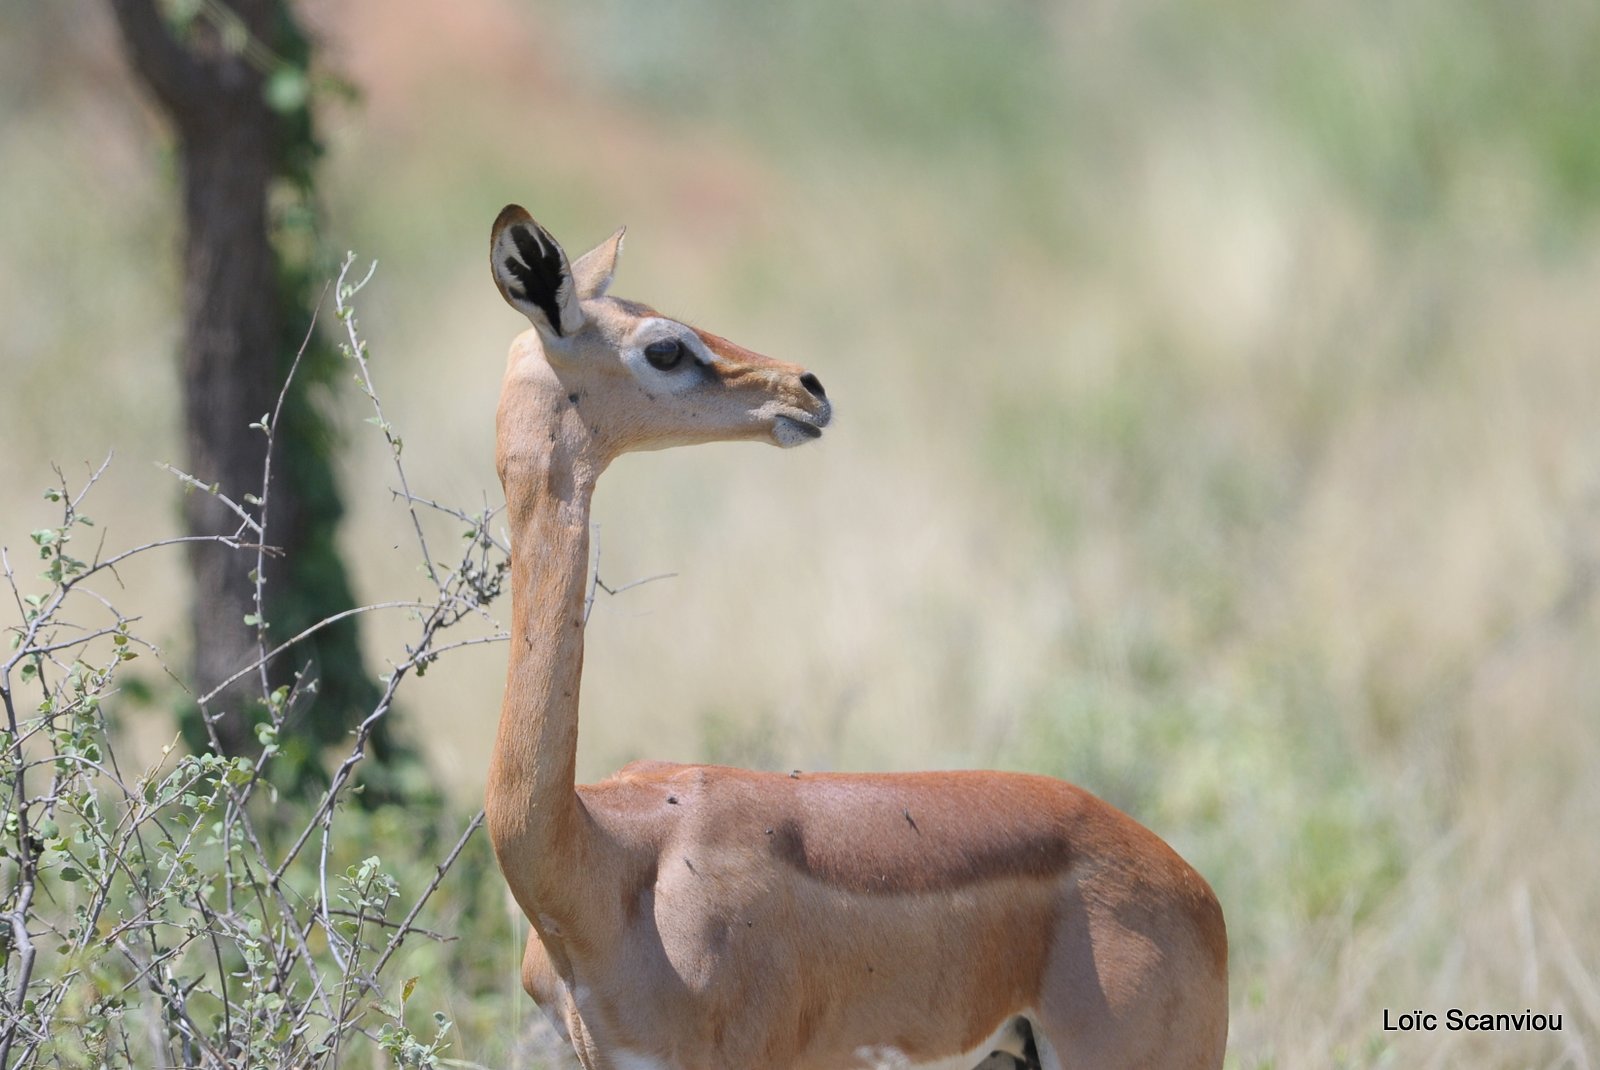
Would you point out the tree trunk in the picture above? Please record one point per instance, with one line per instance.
(230, 379)
(246, 306)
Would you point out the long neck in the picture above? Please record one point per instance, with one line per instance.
(534, 816)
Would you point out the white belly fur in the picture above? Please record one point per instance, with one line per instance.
(1007, 1039)
(624, 1059)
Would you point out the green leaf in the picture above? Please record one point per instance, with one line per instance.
(181, 12)
(71, 873)
(406, 989)
(287, 89)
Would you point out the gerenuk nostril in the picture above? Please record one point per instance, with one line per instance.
(813, 384)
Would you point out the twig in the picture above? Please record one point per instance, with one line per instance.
(245, 519)
(179, 910)
(302, 635)
(357, 351)
(438, 875)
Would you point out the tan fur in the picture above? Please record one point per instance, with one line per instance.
(699, 917)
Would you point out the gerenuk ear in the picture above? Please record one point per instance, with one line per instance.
(594, 269)
(533, 274)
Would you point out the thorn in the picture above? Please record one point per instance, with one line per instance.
(910, 821)
(672, 800)
(795, 775)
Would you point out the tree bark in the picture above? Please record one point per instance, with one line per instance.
(246, 302)
(230, 370)
(231, 330)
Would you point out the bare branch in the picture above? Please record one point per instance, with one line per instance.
(174, 76)
(201, 887)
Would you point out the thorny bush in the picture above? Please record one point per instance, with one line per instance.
(171, 916)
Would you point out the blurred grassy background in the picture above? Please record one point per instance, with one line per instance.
(1218, 387)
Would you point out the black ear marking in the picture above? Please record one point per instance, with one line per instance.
(538, 272)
